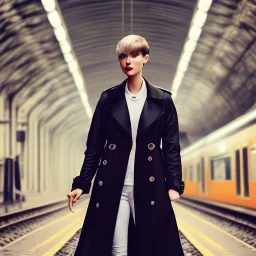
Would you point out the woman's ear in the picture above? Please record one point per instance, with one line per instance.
(146, 58)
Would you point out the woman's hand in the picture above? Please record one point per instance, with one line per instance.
(73, 196)
(173, 195)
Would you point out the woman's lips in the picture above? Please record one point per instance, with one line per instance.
(128, 69)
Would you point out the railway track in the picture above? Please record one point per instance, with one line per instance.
(15, 225)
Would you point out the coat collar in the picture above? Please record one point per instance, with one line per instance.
(119, 91)
(152, 108)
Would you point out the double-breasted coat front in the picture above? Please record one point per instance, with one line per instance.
(157, 169)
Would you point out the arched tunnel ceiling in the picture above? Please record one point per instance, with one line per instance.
(95, 27)
(219, 84)
(34, 75)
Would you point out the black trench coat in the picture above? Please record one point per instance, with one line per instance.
(156, 232)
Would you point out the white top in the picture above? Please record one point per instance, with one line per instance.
(135, 103)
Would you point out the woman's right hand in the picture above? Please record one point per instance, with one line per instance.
(73, 196)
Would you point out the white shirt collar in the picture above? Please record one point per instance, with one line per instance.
(136, 96)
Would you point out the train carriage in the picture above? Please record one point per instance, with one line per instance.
(222, 166)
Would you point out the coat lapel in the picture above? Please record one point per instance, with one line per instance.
(118, 108)
(149, 114)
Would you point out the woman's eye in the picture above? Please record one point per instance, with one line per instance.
(122, 56)
(135, 54)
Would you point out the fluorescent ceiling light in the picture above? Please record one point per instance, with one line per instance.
(68, 57)
(65, 46)
(224, 131)
(49, 5)
(78, 79)
(200, 18)
(190, 45)
(73, 66)
(195, 33)
(176, 82)
(186, 57)
(54, 18)
(204, 5)
(60, 33)
(183, 65)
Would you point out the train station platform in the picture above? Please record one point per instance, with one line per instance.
(210, 235)
(32, 200)
(57, 233)
(43, 235)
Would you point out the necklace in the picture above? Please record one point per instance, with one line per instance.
(136, 96)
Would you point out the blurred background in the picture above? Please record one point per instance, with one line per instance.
(56, 57)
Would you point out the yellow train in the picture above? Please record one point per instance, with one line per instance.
(222, 166)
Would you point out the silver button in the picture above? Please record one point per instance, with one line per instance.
(152, 202)
(150, 158)
(112, 146)
(151, 146)
(105, 162)
(151, 178)
(97, 205)
(100, 183)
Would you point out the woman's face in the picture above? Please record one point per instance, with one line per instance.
(132, 63)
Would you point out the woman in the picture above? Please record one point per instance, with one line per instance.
(130, 210)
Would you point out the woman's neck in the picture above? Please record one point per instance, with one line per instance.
(135, 83)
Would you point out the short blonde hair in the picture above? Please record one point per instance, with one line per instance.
(132, 42)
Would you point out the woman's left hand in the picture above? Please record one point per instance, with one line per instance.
(173, 195)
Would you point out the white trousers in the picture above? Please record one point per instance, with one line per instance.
(120, 241)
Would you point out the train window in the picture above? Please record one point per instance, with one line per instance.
(198, 171)
(253, 162)
(221, 168)
(245, 167)
(191, 172)
(238, 175)
(195, 173)
(203, 174)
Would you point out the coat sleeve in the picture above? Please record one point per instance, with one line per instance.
(171, 146)
(94, 148)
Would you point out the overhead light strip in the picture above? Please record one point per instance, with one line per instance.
(60, 31)
(222, 132)
(197, 23)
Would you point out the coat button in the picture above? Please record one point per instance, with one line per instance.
(105, 162)
(151, 179)
(97, 205)
(112, 146)
(151, 146)
(100, 183)
(150, 158)
(152, 202)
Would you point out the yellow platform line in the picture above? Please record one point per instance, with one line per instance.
(186, 226)
(38, 229)
(195, 242)
(182, 208)
(63, 241)
(56, 235)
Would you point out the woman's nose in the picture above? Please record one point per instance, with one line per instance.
(128, 59)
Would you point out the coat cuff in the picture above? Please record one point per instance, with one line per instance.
(175, 184)
(77, 183)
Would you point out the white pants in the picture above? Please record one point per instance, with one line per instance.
(120, 241)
